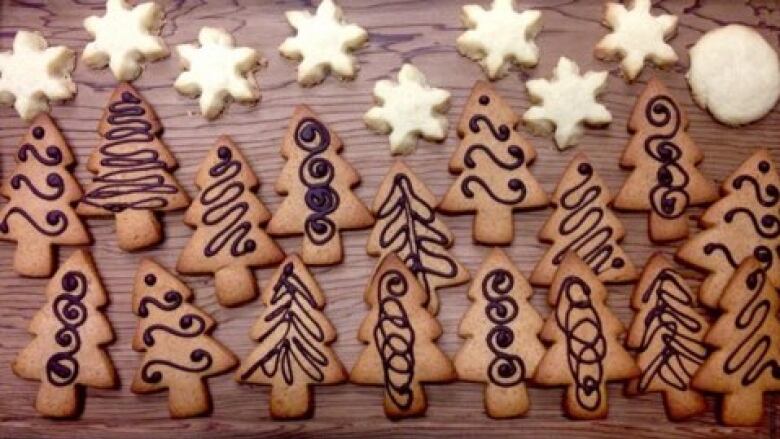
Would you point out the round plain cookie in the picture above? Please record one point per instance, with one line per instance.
(735, 74)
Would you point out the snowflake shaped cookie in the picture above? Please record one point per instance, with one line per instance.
(499, 36)
(636, 36)
(33, 74)
(216, 70)
(323, 43)
(408, 109)
(124, 37)
(564, 102)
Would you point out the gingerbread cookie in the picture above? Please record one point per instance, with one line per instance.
(408, 109)
(500, 35)
(636, 36)
(667, 334)
(407, 225)
(584, 224)
(41, 191)
(492, 162)
(567, 101)
(293, 335)
(401, 337)
(34, 74)
(585, 352)
(317, 183)
(179, 352)
(228, 240)
(215, 70)
(502, 347)
(323, 43)
(124, 37)
(665, 179)
(71, 331)
(133, 170)
(746, 338)
(745, 222)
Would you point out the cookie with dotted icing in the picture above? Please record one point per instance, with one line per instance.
(317, 184)
(227, 214)
(501, 331)
(665, 180)
(584, 224)
(71, 331)
(41, 193)
(586, 352)
(293, 336)
(745, 361)
(492, 163)
(175, 337)
(745, 222)
(401, 352)
(667, 334)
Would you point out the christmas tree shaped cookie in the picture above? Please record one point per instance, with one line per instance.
(174, 335)
(133, 171)
(584, 224)
(743, 223)
(400, 334)
(70, 334)
(407, 225)
(501, 328)
(585, 351)
(667, 334)
(746, 337)
(665, 180)
(293, 335)
(317, 184)
(492, 162)
(41, 193)
(228, 240)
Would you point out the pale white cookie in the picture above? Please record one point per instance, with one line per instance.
(33, 74)
(500, 35)
(636, 36)
(124, 37)
(323, 43)
(216, 70)
(565, 102)
(735, 74)
(408, 109)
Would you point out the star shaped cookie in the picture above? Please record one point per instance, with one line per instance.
(408, 109)
(124, 37)
(636, 36)
(565, 102)
(216, 70)
(499, 36)
(33, 74)
(323, 43)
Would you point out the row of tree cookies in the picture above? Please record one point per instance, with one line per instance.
(134, 178)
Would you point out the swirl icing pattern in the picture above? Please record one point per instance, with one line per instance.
(62, 368)
(505, 369)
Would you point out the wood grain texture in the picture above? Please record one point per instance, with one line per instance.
(422, 32)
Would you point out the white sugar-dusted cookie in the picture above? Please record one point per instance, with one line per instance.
(636, 36)
(323, 43)
(33, 74)
(124, 37)
(216, 70)
(408, 109)
(565, 102)
(500, 35)
(735, 74)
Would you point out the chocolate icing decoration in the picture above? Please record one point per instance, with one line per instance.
(316, 173)
(301, 332)
(505, 370)
(394, 338)
(62, 368)
(201, 361)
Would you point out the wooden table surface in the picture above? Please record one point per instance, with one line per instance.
(422, 32)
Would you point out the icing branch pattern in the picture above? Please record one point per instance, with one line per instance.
(505, 369)
(62, 368)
